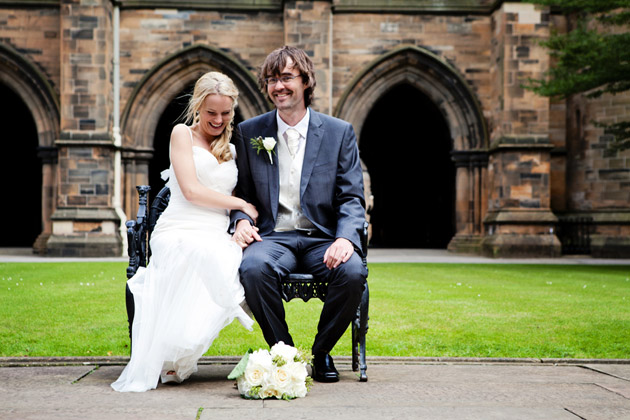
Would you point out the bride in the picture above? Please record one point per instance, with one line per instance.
(190, 289)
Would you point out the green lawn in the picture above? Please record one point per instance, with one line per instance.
(438, 310)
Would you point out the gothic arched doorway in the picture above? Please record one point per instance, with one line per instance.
(21, 172)
(433, 86)
(156, 104)
(170, 117)
(30, 117)
(405, 145)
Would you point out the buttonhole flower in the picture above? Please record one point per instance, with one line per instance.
(267, 144)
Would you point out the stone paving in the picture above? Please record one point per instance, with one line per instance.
(396, 389)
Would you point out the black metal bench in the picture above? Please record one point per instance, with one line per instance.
(295, 285)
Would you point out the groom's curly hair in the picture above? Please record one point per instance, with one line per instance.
(277, 60)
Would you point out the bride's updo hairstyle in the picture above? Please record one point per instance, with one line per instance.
(213, 83)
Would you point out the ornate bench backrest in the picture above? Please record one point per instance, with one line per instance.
(158, 205)
(139, 230)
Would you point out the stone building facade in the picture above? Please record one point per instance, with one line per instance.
(98, 76)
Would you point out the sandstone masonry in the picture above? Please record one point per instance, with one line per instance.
(524, 164)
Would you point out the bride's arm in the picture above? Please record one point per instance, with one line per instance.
(193, 190)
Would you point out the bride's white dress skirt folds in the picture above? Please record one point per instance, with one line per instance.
(190, 289)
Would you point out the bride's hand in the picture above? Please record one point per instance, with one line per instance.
(245, 234)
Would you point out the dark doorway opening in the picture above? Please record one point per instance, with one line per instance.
(21, 171)
(405, 145)
(171, 116)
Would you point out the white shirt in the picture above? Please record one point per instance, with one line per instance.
(290, 216)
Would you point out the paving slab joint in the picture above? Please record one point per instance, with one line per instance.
(94, 369)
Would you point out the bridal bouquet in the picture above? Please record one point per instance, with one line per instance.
(279, 373)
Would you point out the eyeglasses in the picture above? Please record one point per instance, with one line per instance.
(284, 79)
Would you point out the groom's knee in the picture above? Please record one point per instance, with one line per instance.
(249, 271)
(352, 275)
(255, 269)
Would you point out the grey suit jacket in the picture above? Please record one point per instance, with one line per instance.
(331, 188)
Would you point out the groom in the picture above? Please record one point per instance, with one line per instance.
(309, 194)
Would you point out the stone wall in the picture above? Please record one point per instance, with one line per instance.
(34, 33)
(519, 219)
(597, 176)
(462, 41)
(537, 158)
(601, 175)
(308, 26)
(147, 37)
(85, 177)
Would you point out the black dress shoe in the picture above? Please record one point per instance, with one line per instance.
(324, 368)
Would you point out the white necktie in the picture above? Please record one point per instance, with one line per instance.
(293, 141)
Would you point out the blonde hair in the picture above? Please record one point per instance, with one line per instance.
(213, 83)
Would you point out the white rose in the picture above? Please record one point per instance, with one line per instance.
(258, 368)
(260, 357)
(287, 353)
(254, 376)
(270, 390)
(297, 390)
(269, 143)
(281, 379)
(243, 385)
(297, 371)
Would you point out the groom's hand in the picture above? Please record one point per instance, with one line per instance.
(339, 252)
(245, 233)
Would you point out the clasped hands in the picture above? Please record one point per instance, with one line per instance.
(339, 252)
(245, 233)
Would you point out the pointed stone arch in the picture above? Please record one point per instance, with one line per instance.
(449, 91)
(431, 75)
(153, 94)
(169, 77)
(32, 86)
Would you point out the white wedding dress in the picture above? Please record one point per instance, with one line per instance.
(190, 289)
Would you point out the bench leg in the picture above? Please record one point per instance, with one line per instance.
(359, 331)
(131, 309)
(363, 363)
(355, 342)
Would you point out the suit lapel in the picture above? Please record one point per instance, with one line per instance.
(271, 130)
(314, 139)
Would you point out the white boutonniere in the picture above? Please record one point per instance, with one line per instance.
(267, 144)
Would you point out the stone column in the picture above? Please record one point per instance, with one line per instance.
(307, 25)
(136, 169)
(519, 221)
(469, 206)
(48, 156)
(84, 222)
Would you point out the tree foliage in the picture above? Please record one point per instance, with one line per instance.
(592, 58)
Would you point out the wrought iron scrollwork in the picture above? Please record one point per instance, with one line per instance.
(137, 233)
(303, 286)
